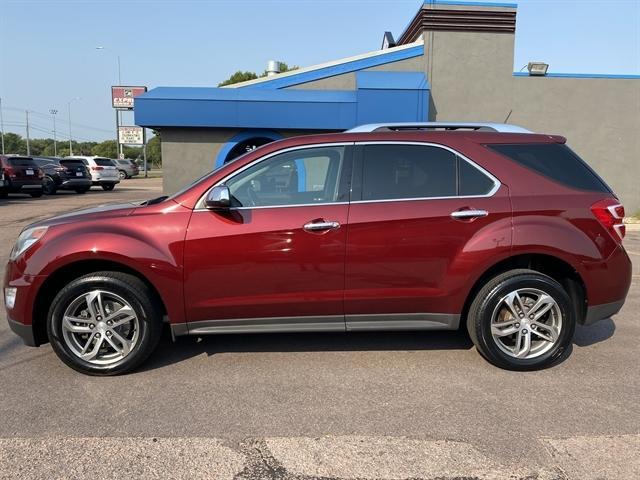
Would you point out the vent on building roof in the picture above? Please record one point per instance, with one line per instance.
(273, 68)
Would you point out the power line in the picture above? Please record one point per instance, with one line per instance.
(47, 116)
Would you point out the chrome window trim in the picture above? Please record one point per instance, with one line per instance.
(496, 183)
(200, 204)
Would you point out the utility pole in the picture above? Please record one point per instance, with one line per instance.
(1, 126)
(53, 113)
(69, 112)
(28, 146)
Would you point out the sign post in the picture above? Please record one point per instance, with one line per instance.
(122, 99)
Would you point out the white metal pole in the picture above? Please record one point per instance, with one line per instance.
(70, 146)
(1, 126)
(28, 146)
(55, 139)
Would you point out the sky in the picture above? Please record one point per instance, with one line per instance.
(48, 53)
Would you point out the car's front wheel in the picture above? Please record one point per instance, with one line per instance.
(49, 186)
(104, 323)
(122, 174)
(522, 320)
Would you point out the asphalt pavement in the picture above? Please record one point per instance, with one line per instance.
(319, 405)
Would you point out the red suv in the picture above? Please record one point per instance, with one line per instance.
(387, 227)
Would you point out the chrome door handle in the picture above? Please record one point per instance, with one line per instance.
(320, 226)
(467, 214)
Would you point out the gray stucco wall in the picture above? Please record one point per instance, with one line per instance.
(189, 153)
(471, 79)
(347, 81)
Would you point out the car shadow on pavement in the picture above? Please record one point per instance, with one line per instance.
(592, 334)
(186, 347)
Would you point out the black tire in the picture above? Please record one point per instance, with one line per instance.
(481, 311)
(36, 194)
(130, 288)
(108, 186)
(82, 190)
(49, 186)
(122, 174)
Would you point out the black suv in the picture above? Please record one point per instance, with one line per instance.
(63, 174)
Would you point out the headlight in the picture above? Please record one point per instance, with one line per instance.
(27, 238)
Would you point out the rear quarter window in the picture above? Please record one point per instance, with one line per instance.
(555, 161)
(104, 162)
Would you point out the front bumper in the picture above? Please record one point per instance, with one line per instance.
(20, 317)
(23, 331)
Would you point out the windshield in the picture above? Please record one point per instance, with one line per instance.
(72, 163)
(21, 162)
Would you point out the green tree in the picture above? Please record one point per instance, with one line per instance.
(107, 149)
(241, 76)
(14, 143)
(154, 153)
(238, 77)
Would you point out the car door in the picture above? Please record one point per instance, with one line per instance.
(275, 260)
(421, 221)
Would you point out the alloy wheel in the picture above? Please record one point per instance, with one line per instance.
(100, 327)
(526, 323)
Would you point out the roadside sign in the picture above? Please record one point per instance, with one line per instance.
(131, 135)
(122, 97)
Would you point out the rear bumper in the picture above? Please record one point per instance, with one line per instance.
(106, 181)
(600, 312)
(23, 331)
(29, 186)
(75, 183)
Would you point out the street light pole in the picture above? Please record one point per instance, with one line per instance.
(69, 111)
(28, 146)
(119, 146)
(53, 113)
(1, 126)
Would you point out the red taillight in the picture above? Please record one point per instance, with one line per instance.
(610, 214)
(97, 168)
(40, 173)
(9, 171)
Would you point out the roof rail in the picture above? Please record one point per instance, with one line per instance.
(485, 127)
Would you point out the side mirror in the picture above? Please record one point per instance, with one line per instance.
(218, 198)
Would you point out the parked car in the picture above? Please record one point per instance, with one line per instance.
(63, 174)
(127, 168)
(103, 170)
(20, 175)
(386, 227)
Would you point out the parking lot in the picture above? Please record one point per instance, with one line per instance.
(319, 406)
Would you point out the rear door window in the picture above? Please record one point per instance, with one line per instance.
(394, 171)
(555, 161)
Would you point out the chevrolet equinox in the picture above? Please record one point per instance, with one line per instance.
(384, 227)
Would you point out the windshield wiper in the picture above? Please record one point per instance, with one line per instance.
(153, 201)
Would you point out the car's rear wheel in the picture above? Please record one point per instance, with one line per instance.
(522, 320)
(105, 323)
(108, 186)
(49, 186)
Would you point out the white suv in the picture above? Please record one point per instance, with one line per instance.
(103, 171)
